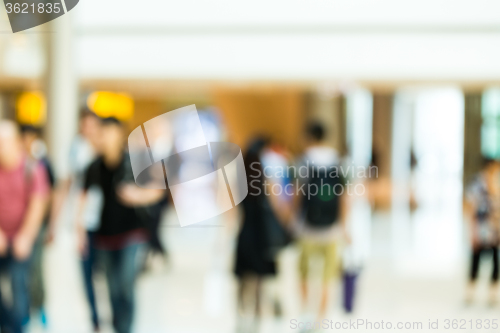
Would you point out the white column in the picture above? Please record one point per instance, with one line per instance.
(359, 107)
(404, 105)
(359, 126)
(62, 93)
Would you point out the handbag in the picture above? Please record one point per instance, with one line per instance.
(278, 236)
(350, 274)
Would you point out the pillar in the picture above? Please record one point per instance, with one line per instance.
(62, 92)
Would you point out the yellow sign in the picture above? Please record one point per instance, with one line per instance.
(107, 104)
(31, 108)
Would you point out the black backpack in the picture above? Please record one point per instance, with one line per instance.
(321, 203)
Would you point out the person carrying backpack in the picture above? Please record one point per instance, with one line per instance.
(323, 211)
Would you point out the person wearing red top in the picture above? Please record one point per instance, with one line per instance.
(24, 192)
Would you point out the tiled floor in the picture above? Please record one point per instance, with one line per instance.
(197, 292)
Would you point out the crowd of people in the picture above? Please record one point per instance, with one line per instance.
(114, 219)
(117, 222)
(315, 219)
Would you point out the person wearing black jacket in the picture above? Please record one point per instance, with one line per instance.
(121, 237)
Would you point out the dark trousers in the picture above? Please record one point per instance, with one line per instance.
(476, 257)
(88, 262)
(153, 227)
(12, 317)
(122, 267)
(36, 280)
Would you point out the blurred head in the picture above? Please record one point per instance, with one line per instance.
(315, 133)
(11, 149)
(490, 166)
(253, 164)
(111, 136)
(29, 134)
(89, 125)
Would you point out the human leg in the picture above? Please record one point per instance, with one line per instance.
(36, 282)
(305, 252)
(474, 269)
(19, 271)
(494, 276)
(4, 312)
(329, 252)
(153, 226)
(123, 267)
(88, 271)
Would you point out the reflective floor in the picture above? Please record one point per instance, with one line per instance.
(195, 292)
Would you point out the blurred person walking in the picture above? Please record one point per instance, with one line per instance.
(121, 236)
(482, 213)
(157, 256)
(36, 149)
(23, 200)
(160, 139)
(260, 237)
(323, 212)
(82, 154)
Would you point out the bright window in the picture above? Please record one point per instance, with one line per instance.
(490, 131)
